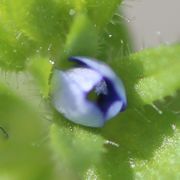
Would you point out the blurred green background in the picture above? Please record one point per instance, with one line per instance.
(37, 143)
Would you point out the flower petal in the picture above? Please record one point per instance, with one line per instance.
(85, 78)
(105, 71)
(69, 98)
(114, 108)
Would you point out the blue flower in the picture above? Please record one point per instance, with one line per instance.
(72, 91)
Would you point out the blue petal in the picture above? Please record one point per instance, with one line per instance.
(114, 109)
(85, 78)
(115, 83)
(69, 96)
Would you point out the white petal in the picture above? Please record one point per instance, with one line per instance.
(114, 109)
(85, 78)
(68, 98)
(105, 71)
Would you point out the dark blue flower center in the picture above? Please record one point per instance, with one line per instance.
(104, 101)
(103, 94)
(100, 88)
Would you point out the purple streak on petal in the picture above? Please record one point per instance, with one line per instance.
(105, 101)
(69, 98)
(117, 91)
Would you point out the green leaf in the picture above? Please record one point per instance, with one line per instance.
(40, 27)
(115, 41)
(165, 163)
(149, 75)
(15, 48)
(142, 143)
(82, 32)
(23, 148)
(75, 148)
(100, 12)
(40, 68)
(41, 20)
(56, 29)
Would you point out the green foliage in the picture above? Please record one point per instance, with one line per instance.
(40, 68)
(24, 152)
(152, 74)
(82, 31)
(38, 143)
(76, 152)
